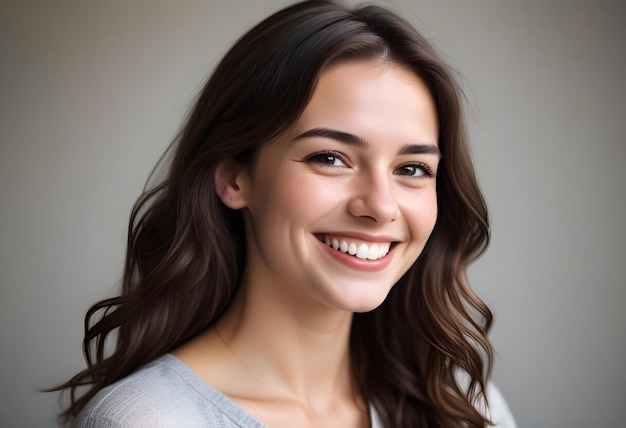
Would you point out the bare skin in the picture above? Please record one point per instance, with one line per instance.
(281, 351)
(279, 380)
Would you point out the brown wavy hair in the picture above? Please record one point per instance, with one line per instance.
(186, 249)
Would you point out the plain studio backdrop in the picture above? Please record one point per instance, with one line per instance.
(91, 93)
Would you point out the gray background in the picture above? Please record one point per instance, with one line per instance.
(92, 92)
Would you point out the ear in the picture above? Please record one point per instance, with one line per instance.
(232, 183)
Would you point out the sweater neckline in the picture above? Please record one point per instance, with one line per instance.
(221, 402)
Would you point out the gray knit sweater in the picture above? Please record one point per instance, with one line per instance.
(167, 393)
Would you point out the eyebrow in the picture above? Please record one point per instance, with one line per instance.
(354, 140)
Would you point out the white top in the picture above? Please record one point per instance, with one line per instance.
(167, 393)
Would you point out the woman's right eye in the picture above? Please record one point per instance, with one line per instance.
(330, 159)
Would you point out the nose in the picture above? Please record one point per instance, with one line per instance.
(374, 199)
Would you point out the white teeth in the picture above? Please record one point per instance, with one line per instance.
(352, 249)
(361, 251)
(373, 252)
(383, 250)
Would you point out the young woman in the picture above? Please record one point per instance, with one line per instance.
(303, 263)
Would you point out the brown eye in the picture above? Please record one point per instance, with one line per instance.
(330, 159)
(415, 170)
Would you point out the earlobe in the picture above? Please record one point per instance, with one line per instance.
(230, 183)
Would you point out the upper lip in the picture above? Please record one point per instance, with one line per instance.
(361, 236)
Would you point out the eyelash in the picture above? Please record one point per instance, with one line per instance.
(316, 158)
(421, 166)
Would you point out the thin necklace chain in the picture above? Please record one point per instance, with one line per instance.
(250, 372)
(255, 377)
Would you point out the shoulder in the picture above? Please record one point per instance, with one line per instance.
(164, 393)
(498, 410)
(494, 408)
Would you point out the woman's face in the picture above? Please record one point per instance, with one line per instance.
(340, 207)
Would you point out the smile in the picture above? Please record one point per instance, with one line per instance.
(359, 249)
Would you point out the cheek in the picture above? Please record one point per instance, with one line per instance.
(297, 199)
(422, 213)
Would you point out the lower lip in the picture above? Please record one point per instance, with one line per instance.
(354, 262)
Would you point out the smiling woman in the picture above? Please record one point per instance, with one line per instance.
(339, 175)
(303, 263)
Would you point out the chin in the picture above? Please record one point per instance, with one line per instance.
(364, 303)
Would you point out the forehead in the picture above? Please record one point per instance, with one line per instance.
(373, 99)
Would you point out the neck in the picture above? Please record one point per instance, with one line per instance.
(297, 349)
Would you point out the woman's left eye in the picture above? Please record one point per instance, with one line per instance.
(415, 170)
(327, 159)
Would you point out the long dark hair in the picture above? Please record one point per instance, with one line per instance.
(186, 249)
